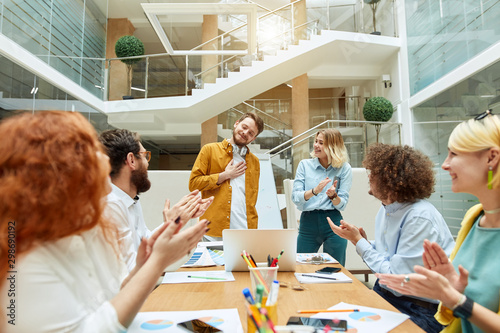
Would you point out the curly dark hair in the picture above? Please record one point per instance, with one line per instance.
(400, 173)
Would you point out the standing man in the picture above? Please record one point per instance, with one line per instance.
(129, 177)
(228, 171)
(401, 178)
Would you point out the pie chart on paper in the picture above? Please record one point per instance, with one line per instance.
(156, 324)
(365, 316)
(214, 321)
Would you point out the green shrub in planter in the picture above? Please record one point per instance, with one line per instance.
(378, 109)
(129, 46)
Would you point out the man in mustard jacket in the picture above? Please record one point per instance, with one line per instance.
(229, 172)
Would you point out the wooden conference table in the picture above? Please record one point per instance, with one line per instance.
(225, 295)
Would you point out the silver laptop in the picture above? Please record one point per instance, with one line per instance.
(259, 243)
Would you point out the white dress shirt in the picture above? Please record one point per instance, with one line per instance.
(66, 285)
(127, 214)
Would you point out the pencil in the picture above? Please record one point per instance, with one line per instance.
(320, 277)
(326, 310)
(206, 277)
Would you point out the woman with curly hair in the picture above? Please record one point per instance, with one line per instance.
(65, 272)
(401, 178)
(329, 166)
(467, 284)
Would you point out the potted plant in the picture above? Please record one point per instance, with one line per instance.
(378, 109)
(373, 4)
(129, 46)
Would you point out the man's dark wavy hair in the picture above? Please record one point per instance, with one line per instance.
(400, 173)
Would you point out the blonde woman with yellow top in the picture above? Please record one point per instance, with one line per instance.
(468, 283)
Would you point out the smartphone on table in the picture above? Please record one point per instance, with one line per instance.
(336, 325)
(328, 270)
(197, 325)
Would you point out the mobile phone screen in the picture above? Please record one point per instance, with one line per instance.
(197, 325)
(328, 270)
(318, 323)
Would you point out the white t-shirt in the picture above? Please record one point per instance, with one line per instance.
(238, 198)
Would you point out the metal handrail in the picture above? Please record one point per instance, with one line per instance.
(219, 64)
(266, 125)
(241, 26)
(267, 115)
(321, 125)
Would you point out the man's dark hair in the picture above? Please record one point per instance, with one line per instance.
(258, 121)
(117, 144)
(400, 173)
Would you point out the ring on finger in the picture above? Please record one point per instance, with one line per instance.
(407, 279)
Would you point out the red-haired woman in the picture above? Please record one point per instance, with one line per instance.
(61, 270)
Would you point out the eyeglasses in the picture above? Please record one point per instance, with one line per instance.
(147, 154)
(483, 115)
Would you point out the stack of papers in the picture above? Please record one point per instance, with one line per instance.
(323, 278)
(315, 258)
(203, 257)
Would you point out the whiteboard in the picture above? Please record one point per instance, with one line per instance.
(267, 200)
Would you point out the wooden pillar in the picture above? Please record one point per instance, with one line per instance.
(300, 114)
(300, 17)
(209, 30)
(118, 82)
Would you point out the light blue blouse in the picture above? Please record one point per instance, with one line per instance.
(309, 173)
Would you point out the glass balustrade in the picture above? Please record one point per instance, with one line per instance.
(358, 136)
(164, 75)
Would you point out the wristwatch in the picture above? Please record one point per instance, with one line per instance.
(464, 310)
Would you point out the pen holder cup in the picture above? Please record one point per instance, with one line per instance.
(272, 312)
(262, 274)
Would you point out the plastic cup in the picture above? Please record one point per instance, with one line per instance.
(262, 274)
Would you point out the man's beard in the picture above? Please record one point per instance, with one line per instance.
(140, 180)
(239, 143)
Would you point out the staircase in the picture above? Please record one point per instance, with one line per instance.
(334, 54)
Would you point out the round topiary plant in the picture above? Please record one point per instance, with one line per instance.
(378, 109)
(129, 46)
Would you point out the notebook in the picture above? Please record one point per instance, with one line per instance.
(259, 243)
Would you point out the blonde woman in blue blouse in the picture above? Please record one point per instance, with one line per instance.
(320, 190)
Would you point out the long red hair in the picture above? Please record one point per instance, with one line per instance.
(53, 182)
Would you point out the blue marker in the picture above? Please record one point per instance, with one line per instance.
(248, 296)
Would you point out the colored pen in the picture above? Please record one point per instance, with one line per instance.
(253, 261)
(259, 293)
(320, 277)
(248, 296)
(256, 321)
(255, 272)
(206, 277)
(326, 310)
(272, 298)
(269, 322)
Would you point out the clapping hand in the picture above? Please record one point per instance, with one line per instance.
(185, 209)
(435, 259)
